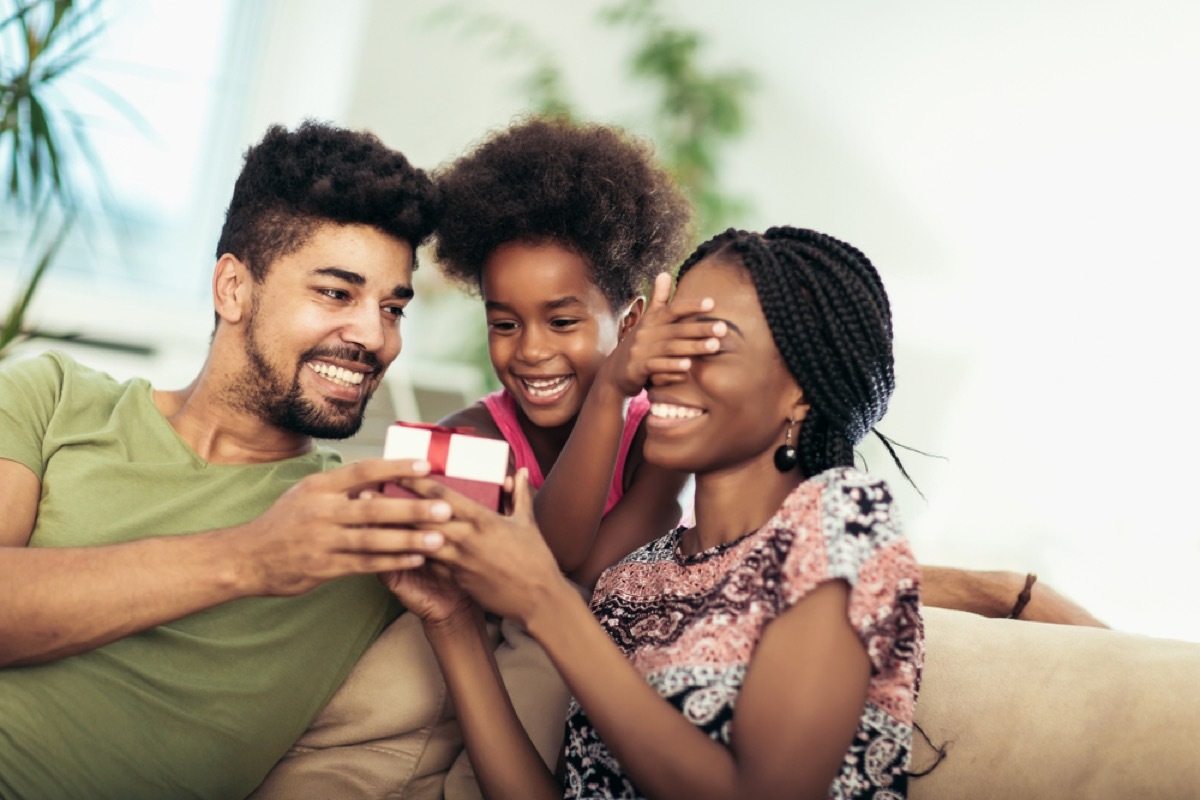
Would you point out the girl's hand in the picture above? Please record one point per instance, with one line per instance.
(500, 561)
(659, 348)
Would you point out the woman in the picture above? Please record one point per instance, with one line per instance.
(774, 648)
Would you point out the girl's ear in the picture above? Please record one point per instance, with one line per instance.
(631, 317)
(232, 289)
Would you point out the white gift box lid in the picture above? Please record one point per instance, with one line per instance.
(469, 457)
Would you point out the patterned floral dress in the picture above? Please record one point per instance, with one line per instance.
(690, 624)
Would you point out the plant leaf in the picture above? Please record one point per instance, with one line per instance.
(14, 324)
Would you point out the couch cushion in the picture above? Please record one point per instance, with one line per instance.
(1031, 710)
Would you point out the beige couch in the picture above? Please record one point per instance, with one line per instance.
(1030, 710)
(1024, 710)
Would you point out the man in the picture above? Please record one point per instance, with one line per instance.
(184, 578)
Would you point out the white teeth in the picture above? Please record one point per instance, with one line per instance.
(668, 411)
(545, 387)
(339, 375)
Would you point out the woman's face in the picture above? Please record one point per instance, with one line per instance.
(732, 408)
(549, 328)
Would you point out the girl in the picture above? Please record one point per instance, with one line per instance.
(558, 226)
(774, 648)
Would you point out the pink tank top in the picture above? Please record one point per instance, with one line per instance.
(503, 408)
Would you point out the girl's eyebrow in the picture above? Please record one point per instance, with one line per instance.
(732, 327)
(563, 302)
(558, 302)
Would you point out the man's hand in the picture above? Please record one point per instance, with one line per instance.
(659, 347)
(336, 523)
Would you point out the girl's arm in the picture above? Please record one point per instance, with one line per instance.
(803, 693)
(649, 508)
(570, 505)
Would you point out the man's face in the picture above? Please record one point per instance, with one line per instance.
(323, 326)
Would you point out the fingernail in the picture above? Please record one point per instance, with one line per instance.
(719, 329)
(420, 467)
(712, 344)
(440, 511)
(685, 363)
(433, 539)
(706, 303)
(366, 495)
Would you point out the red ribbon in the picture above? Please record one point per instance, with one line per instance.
(439, 443)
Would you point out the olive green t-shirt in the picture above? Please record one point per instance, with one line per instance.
(199, 707)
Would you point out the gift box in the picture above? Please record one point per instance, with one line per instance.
(470, 465)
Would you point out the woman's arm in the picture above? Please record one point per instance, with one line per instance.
(505, 761)
(796, 715)
(804, 689)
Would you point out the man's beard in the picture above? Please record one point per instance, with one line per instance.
(268, 394)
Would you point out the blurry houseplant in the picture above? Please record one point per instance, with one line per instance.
(46, 161)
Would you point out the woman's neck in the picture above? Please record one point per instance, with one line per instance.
(731, 503)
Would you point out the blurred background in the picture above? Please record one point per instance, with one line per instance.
(1025, 175)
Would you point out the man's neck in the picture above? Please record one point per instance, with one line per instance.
(221, 434)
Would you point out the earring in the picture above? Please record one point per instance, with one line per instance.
(786, 457)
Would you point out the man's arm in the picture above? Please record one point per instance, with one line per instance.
(59, 601)
(994, 594)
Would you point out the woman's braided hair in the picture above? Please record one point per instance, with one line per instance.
(830, 319)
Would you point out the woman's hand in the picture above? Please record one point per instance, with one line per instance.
(500, 561)
(660, 346)
(430, 592)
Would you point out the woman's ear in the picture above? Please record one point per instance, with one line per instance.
(631, 316)
(799, 409)
(232, 289)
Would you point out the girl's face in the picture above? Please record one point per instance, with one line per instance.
(732, 407)
(549, 328)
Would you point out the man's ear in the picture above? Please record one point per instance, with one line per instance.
(632, 315)
(232, 288)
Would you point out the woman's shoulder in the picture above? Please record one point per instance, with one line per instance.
(849, 495)
(848, 511)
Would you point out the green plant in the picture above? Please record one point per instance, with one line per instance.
(40, 137)
(700, 110)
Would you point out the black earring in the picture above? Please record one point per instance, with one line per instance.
(786, 457)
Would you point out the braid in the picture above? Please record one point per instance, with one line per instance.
(831, 322)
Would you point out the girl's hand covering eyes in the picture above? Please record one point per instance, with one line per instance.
(661, 345)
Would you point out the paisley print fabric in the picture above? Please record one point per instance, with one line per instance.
(690, 624)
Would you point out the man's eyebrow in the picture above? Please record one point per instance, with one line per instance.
(732, 327)
(399, 291)
(342, 275)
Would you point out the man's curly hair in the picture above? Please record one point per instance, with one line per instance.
(292, 182)
(592, 189)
